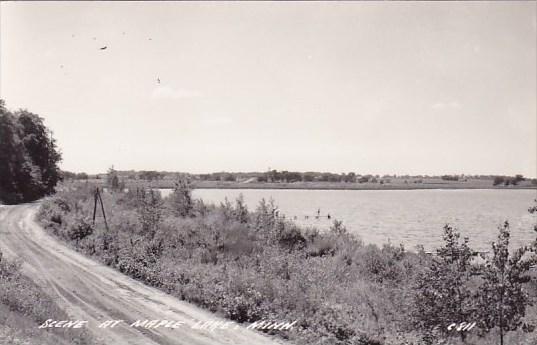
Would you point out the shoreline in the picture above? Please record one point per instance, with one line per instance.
(196, 184)
(358, 188)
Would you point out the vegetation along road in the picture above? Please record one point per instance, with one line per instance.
(93, 292)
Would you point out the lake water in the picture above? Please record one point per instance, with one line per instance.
(410, 217)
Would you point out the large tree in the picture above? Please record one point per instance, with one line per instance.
(29, 156)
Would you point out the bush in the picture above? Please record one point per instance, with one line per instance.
(79, 229)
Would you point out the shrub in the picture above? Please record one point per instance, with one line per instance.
(180, 200)
(150, 211)
(80, 228)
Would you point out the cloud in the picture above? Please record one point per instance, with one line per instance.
(167, 92)
(446, 105)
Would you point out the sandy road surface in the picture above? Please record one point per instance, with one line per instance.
(91, 291)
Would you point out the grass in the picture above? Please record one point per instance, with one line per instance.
(24, 306)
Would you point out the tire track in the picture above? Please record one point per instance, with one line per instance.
(90, 291)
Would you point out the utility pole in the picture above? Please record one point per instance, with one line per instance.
(97, 199)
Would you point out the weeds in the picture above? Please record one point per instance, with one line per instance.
(24, 306)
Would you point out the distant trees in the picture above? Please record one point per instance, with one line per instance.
(284, 176)
(291, 176)
(67, 175)
(308, 177)
(228, 178)
(450, 177)
(288, 176)
(329, 177)
(519, 178)
(498, 180)
(506, 180)
(150, 175)
(28, 155)
(350, 177)
(364, 179)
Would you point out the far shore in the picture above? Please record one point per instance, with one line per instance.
(346, 186)
(398, 185)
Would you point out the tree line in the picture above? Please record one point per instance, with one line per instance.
(506, 180)
(284, 176)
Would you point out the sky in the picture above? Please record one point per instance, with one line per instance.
(370, 87)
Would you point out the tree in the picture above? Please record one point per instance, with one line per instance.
(501, 297)
(150, 175)
(229, 177)
(450, 177)
(442, 293)
(41, 148)
(241, 211)
(29, 157)
(149, 211)
(519, 178)
(350, 177)
(112, 180)
(498, 180)
(13, 159)
(308, 177)
(363, 179)
(181, 200)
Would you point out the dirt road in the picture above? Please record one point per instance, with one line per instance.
(87, 290)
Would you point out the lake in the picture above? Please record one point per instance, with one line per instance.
(410, 217)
